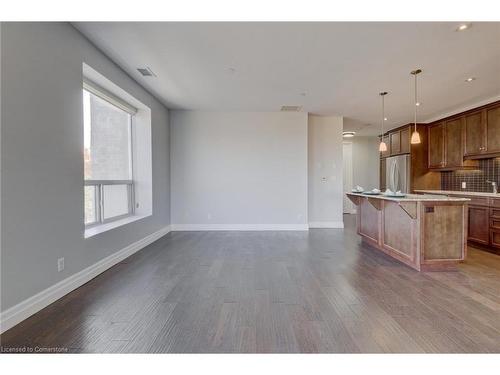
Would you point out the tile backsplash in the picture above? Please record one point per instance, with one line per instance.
(489, 169)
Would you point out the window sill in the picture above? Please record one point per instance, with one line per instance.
(93, 231)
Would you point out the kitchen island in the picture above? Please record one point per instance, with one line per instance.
(425, 232)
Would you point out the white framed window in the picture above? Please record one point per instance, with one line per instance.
(108, 161)
(118, 178)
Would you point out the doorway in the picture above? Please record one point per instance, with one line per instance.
(348, 206)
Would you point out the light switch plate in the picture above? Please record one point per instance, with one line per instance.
(464, 185)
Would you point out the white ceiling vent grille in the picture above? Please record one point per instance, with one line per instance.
(146, 72)
(291, 108)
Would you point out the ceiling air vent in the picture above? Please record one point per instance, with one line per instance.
(291, 108)
(146, 72)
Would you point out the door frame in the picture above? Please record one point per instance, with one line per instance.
(347, 206)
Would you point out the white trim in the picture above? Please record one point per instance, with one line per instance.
(23, 310)
(327, 224)
(101, 228)
(240, 227)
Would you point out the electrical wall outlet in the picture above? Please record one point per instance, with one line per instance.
(464, 185)
(60, 264)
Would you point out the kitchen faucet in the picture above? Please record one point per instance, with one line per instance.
(494, 184)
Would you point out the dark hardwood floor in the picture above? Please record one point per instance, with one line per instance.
(263, 292)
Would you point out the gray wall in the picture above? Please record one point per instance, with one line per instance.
(42, 162)
(365, 162)
(239, 167)
(325, 171)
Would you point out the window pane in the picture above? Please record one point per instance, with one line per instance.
(115, 200)
(106, 139)
(90, 202)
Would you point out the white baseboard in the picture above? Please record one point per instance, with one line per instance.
(327, 224)
(236, 227)
(23, 310)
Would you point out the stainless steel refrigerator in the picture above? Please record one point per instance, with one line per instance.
(397, 173)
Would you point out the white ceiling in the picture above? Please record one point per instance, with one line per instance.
(327, 68)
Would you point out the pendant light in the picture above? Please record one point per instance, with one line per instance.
(415, 137)
(382, 147)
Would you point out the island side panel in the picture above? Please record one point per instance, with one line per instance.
(369, 221)
(443, 234)
(400, 234)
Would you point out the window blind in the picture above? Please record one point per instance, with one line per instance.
(104, 94)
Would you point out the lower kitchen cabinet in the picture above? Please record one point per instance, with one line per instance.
(479, 225)
(495, 238)
(495, 223)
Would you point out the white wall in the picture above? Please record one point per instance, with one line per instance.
(365, 162)
(325, 171)
(42, 162)
(238, 170)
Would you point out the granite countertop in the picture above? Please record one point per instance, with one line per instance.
(466, 193)
(415, 198)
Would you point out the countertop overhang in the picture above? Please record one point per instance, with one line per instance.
(465, 193)
(413, 198)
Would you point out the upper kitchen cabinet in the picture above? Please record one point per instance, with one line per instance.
(397, 141)
(475, 133)
(446, 146)
(453, 145)
(493, 130)
(436, 146)
(482, 132)
(386, 140)
(405, 140)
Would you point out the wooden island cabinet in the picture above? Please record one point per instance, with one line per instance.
(484, 217)
(427, 233)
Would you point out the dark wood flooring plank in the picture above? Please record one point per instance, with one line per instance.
(320, 291)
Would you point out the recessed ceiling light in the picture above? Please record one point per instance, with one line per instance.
(348, 134)
(417, 104)
(463, 26)
(385, 118)
(470, 79)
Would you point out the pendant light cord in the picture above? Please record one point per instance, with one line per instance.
(415, 119)
(383, 114)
